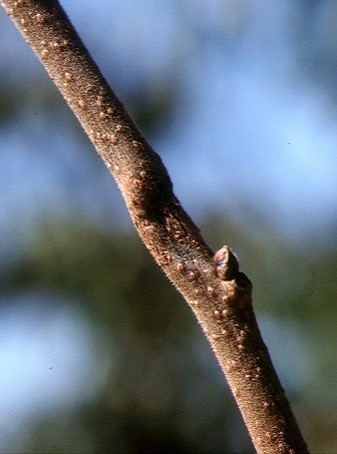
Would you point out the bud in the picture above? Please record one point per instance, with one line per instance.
(226, 264)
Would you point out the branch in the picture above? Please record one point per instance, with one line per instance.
(217, 292)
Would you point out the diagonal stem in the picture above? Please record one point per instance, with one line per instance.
(217, 292)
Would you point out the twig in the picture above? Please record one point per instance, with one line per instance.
(218, 293)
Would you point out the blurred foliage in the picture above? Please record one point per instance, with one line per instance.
(36, 94)
(166, 392)
(153, 107)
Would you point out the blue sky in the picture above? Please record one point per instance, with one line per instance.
(250, 127)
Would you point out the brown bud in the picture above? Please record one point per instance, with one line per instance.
(226, 264)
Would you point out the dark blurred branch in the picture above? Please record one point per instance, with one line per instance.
(217, 292)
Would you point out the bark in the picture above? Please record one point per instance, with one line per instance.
(217, 292)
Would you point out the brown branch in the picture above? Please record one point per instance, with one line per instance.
(217, 292)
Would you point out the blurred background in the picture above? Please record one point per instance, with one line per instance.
(98, 353)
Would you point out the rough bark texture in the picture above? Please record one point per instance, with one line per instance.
(218, 293)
